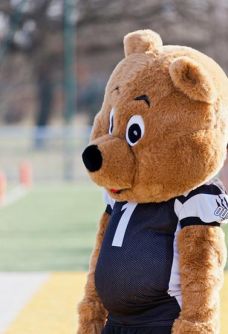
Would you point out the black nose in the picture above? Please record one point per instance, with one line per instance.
(92, 158)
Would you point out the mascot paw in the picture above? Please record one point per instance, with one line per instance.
(182, 326)
(91, 328)
(91, 311)
(92, 316)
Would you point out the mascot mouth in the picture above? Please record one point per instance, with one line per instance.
(115, 191)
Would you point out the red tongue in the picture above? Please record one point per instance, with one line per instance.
(114, 190)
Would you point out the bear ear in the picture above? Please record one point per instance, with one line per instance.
(192, 79)
(141, 41)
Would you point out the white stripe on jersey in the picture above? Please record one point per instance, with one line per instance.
(207, 207)
(123, 223)
(174, 282)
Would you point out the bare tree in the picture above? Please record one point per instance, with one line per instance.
(35, 29)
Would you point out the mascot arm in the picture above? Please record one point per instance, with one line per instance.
(92, 313)
(202, 258)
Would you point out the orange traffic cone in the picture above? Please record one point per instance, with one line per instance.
(26, 176)
(3, 187)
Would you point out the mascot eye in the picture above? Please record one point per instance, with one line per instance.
(111, 121)
(135, 130)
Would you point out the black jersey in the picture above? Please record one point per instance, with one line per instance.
(137, 273)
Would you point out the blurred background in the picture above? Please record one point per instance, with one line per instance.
(55, 59)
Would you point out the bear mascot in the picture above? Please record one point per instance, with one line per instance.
(156, 146)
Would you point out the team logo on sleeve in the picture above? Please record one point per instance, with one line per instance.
(222, 207)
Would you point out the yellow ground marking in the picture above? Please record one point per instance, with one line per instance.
(52, 310)
(224, 306)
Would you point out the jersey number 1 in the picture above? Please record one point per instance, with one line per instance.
(123, 223)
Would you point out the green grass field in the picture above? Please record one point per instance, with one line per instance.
(52, 228)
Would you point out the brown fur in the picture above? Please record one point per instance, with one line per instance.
(91, 311)
(192, 79)
(184, 145)
(202, 259)
(141, 41)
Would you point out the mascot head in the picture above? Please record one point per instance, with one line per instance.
(163, 126)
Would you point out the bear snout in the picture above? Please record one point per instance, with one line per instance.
(104, 159)
(92, 158)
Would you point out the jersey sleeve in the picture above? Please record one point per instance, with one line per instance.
(207, 204)
(109, 202)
